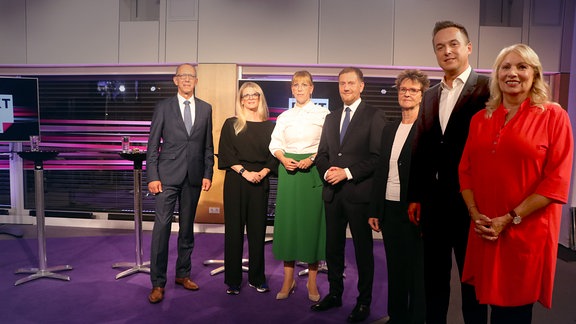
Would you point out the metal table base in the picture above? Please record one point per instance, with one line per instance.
(43, 271)
(139, 265)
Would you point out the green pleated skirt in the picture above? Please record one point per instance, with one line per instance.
(299, 223)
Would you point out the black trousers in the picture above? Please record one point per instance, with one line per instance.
(187, 197)
(245, 206)
(511, 315)
(405, 264)
(445, 225)
(339, 214)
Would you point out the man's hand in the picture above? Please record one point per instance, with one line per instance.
(206, 184)
(414, 212)
(155, 187)
(334, 175)
(374, 224)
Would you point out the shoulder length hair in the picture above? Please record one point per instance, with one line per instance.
(240, 123)
(539, 93)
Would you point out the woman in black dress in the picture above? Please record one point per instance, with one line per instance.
(244, 154)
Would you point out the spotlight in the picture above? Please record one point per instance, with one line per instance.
(152, 88)
(121, 88)
(383, 91)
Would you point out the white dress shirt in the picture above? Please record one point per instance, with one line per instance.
(192, 107)
(450, 95)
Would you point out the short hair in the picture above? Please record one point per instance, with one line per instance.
(414, 75)
(189, 64)
(352, 69)
(448, 24)
(539, 93)
(302, 75)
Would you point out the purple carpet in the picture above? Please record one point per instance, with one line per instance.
(93, 295)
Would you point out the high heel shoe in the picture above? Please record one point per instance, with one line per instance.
(282, 295)
(314, 298)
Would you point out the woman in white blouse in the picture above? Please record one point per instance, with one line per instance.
(299, 225)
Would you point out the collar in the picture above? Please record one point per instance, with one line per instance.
(460, 79)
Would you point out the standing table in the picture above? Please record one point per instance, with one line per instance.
(138, 266)
(42, 271)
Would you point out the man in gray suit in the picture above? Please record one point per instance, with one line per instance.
(179, 164)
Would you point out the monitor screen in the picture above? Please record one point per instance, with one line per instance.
(19, 109)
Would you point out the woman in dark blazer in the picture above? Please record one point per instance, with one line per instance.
(389, 205)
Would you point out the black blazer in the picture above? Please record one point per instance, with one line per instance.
(381, 174)
(358, 152)
(436, 155)
(172, 153)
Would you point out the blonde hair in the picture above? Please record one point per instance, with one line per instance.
(240, 123)
(539, 93)
(302, 76)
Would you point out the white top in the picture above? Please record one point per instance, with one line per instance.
(449, 97)
(192, 107)
(298, 129)
(393, 186)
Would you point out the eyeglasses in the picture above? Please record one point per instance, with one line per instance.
(186, 76)
(298, 85)
(254, 95)
(411, 91)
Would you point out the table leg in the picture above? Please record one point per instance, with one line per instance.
(42, 271)
(137, 266)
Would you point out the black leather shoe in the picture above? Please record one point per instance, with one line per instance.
(328, 302)
(360, 313)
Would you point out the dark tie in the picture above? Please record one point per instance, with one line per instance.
(187, 116)
(345, 124)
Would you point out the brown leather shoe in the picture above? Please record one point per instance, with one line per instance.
(187, 283)
(156, 295)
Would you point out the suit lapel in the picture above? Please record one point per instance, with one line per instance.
(466, 91)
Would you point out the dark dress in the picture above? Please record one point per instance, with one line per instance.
(245, 203)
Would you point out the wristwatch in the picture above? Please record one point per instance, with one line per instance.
(241, 171)
(515, 218)
(311, 157)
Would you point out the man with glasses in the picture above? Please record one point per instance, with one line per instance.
(434, 191)
(179, 164)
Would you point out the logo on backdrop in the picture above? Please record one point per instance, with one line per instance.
(6, 112)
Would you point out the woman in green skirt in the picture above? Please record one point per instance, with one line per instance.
(299, 224)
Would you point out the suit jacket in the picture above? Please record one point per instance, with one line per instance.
(383, 168)
(437, 156)
(172, 153)
(359, 151)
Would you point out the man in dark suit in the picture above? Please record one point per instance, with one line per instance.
(179, 164)
(347, 156)
(434, 191)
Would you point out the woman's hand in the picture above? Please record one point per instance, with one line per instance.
(289, 163)
(305, 164)
(252, 176)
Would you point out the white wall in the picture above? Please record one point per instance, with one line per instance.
(301, 32)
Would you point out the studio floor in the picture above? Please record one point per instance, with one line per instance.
(92, 251)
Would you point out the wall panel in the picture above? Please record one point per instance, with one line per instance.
(72, 31)
(356, 32)
(181, 41)
(138, 42)
(13, 32)
(414, 21)
(494, 39)
(246, 31)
